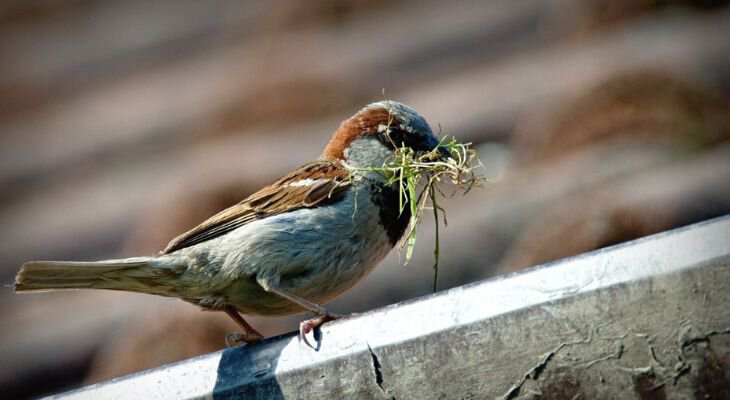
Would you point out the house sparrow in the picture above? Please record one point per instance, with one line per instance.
(290, 247)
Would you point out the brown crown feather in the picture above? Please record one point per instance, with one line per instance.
(365, 122)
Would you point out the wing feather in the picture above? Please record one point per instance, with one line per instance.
(314, 184)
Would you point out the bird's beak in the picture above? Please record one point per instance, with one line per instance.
(436, 151)
(444, 152)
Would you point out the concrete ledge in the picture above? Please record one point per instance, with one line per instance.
(645, 319)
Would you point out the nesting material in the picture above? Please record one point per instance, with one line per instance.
(437, 175)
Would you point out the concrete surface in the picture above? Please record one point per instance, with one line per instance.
(647, 320)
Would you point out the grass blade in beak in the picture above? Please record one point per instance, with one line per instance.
(448, 162)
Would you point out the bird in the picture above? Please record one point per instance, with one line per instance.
(288, 248)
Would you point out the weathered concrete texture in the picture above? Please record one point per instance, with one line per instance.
(644, 320)
(662, 338)
(667, 337)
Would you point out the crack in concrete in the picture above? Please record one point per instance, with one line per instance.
(683, 366)
(666, 374)
(377, 370)
(615, 355)
(680, 369)
(702, 338)
(534, 372)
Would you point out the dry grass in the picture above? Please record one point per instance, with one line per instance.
(437, 176)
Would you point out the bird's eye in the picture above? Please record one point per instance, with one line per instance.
(395, 137)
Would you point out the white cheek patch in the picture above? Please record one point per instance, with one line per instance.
(306, 182)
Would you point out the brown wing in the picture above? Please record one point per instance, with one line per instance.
(317, 183)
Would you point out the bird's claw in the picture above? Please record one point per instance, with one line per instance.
(309, 325)
(235, 338)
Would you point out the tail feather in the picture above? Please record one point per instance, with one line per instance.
(144, 275)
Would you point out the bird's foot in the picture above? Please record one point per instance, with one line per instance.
(309, 325)
(236, 338)
(249, 335)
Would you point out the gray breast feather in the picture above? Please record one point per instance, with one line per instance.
(315, 252)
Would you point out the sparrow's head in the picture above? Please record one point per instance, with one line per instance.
(369, 138)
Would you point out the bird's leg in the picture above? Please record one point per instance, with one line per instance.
(308, 325)
(249, 334)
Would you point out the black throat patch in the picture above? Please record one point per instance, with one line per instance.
(391, 218)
